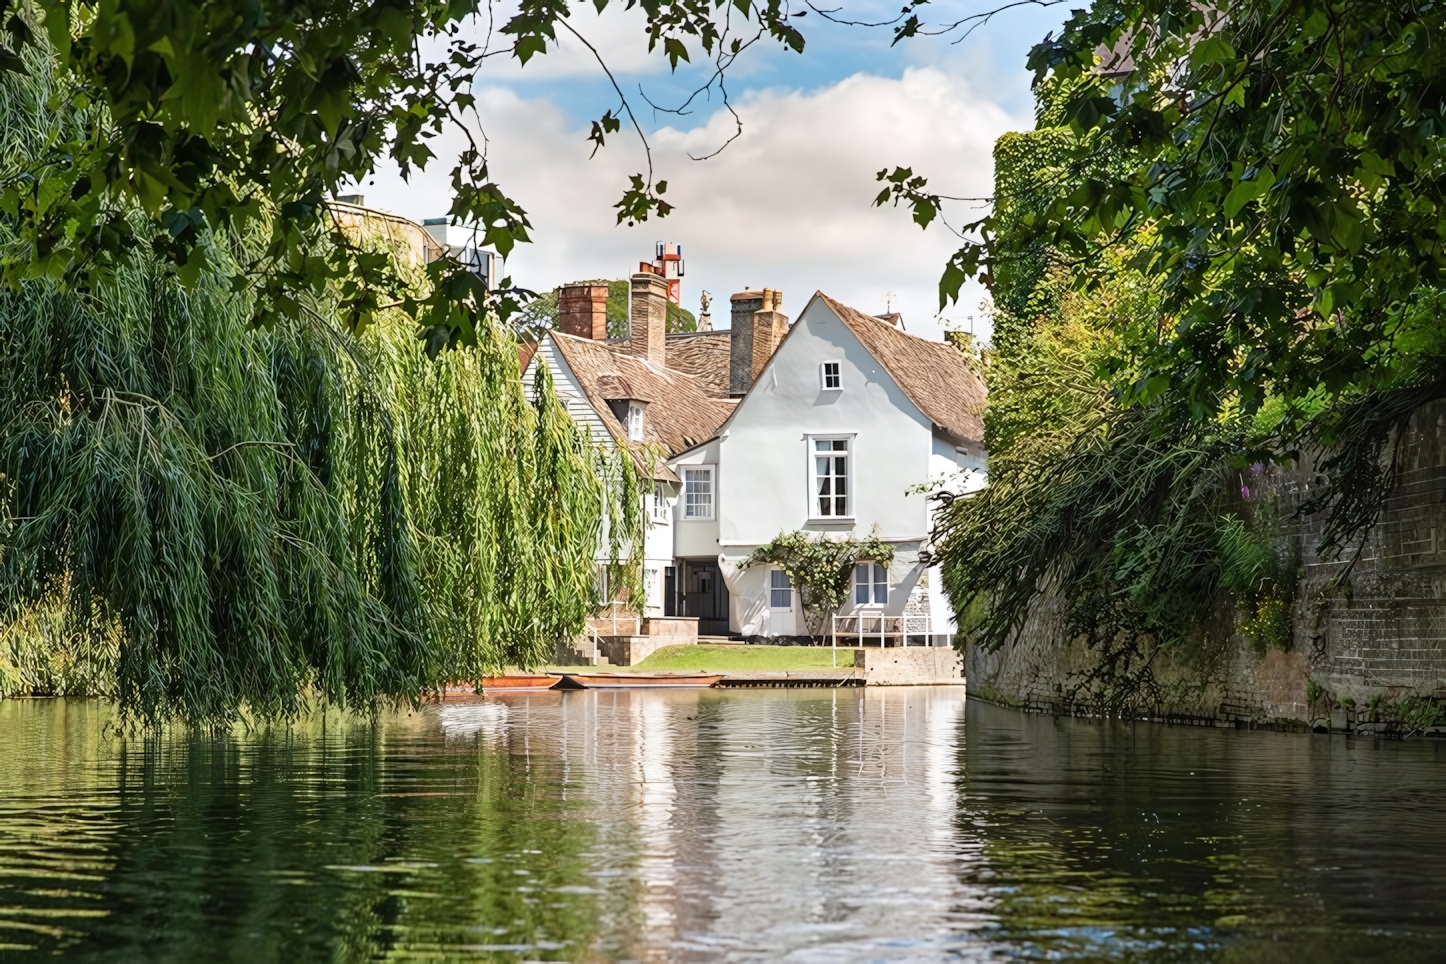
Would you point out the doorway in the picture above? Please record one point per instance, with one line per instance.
(695, 588)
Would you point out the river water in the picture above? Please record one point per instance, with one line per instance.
(809, 825)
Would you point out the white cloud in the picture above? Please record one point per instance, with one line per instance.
(619, 36)
(787, 205)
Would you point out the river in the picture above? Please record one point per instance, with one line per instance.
(808, 825)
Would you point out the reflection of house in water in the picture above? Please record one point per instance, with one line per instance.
(759, 822)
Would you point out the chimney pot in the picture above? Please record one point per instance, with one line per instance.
(648, 319)
(582, 310)
(758, 328)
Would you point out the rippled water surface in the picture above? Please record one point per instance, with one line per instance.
(818, 825)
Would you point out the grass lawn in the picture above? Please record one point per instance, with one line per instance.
(742, 658)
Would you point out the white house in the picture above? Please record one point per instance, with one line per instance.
(652, 393)
(830, 425)
(843, 423)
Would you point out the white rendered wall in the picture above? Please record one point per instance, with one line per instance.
(697, 538)
(764, 458)
(764, 486)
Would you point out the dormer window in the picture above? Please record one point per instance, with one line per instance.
(832, 375)
(635, 422)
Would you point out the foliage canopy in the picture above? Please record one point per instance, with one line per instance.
(1274, 169)
(221, 115)
(249, 516)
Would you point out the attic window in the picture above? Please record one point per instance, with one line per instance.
(832, 375)
(635, 422)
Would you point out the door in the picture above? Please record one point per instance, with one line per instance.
(705, 596)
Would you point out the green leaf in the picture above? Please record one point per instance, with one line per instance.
(57, 28)
(1214, 49)
(1240, 195)
(675, 51)
(395, 25)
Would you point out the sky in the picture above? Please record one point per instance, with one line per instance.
(788, 204)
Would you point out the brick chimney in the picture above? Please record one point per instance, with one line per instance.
(582, 310)
(758, 327)
(648, 323)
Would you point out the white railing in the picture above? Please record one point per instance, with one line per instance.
(877, 629)
(615, 611)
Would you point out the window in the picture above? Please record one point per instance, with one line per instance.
(660, 502)
(871, 584)
(780, 590)
(831, 476)
(698, 493)
(635, 422)
(832, 377)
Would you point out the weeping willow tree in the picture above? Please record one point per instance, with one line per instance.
(259, 515)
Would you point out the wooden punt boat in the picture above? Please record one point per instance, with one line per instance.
(535, 682)
(609, 681)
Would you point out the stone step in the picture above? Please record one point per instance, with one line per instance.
(721, 640)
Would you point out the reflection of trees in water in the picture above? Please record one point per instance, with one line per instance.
(325, 839)
(664, 825)
(1109, 838)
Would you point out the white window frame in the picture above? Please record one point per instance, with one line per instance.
(635, 422)
(814, 513)
(876, 577)
(774, 589)
(712, 506)
(823, 376)
(659, 504)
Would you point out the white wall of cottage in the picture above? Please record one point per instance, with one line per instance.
(764, 485)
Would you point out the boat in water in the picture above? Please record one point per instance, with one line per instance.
(609, 681)
(519, 681)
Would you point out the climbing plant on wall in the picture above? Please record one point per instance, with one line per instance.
(820, 569)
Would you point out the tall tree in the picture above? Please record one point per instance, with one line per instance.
(211, 114)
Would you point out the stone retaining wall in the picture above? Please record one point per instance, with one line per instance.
(1368, 654)
(909, 665)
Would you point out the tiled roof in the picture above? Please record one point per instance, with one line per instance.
(934, 375)
(681, 412)
(703, 354)
(525, 351)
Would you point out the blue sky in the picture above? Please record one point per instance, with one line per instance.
(788, 205)
(993, 55)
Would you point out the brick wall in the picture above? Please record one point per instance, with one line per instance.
(1372, 644)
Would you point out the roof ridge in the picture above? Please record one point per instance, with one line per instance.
(933, 375)
(888, 326)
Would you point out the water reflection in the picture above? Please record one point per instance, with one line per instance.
(1104, 839)
(703, 825)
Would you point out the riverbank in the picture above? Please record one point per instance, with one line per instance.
(713, 658)
(725, 659)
